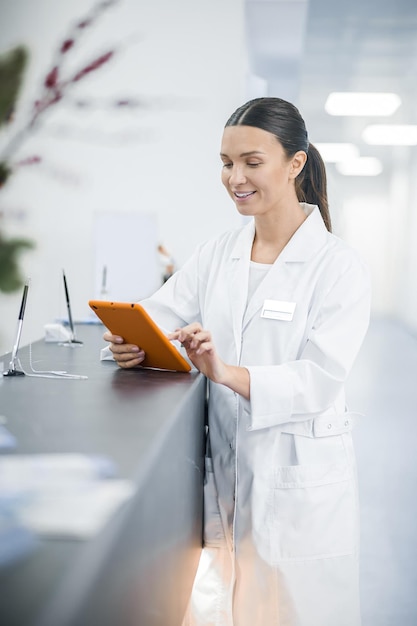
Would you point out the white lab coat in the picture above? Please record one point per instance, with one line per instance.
(281, 511)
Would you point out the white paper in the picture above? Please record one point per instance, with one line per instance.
(27, 472)
(66, 495)
(77, 513)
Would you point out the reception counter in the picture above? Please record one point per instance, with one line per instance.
(139, 568)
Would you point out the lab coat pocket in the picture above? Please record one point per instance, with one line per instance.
(312, 512)
(213, 529)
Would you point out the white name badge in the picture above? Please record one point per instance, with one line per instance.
(278, 310)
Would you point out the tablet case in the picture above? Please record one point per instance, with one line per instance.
(134, 324)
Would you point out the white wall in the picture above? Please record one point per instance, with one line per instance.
(406, 302)
(186, 61)
(377, 215)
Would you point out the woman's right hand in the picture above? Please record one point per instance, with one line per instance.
(125, 354)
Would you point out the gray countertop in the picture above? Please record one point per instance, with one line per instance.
(139, 569)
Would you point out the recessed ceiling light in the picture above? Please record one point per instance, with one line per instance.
(390, 135)
(363, 166)
(362, 103)
(334, 152)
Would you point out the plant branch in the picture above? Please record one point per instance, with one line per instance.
(54, 85)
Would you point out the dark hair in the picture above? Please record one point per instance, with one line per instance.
(283, 119)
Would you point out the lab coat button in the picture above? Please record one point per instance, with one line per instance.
(231, 445)
(329, 425)
(347, 423)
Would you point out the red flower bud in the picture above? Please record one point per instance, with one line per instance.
(52, 78)
(66, 45)
(93, 66)
(30, 160)
(84, 23)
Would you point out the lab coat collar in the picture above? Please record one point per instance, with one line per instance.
(310, 237)
(303, 245)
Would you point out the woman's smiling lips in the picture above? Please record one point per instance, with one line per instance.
(243, 195)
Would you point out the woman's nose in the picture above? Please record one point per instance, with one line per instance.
(237, 175)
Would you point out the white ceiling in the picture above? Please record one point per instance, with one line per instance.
(304, 49)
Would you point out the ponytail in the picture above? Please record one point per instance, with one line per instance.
(311, 184)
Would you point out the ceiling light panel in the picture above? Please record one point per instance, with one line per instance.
(361, 103)
(390, 135)
(363, 166)
(335, 152)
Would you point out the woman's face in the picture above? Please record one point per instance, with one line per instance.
(256, 171)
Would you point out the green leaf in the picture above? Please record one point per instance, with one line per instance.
(10, 250)
(5, 172)
(12, 65)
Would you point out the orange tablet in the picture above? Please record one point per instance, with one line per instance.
(134, 324)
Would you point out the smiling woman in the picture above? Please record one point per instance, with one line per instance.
(287, 132)
(257, 174)
(274, 314)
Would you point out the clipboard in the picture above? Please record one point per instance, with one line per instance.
(134, 324)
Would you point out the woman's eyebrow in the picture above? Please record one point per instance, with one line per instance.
(244, 154)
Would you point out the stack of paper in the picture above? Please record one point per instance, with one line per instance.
(67, 495)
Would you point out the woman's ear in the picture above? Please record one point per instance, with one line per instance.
(297, 163)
